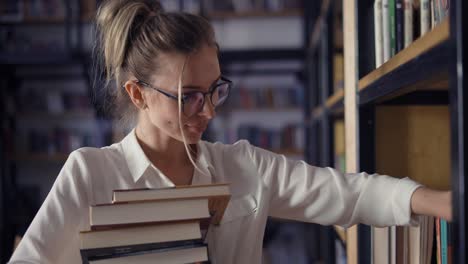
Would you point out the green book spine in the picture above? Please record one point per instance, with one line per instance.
(392, 23)
(443, 241)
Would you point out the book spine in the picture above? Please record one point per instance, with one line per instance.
(106, 253)
(437, 221)
(392, 22)
(408, 20)
(443, 241)
(444, 7)
(385, 30)
(449, 243)
(378, 33)
(400, 24)
(434, 14)
(425, 16)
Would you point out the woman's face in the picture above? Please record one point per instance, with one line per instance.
(201, 72)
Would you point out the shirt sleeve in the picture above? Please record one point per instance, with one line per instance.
(53, 236)
(326, 196)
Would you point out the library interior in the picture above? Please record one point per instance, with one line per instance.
(371, 86)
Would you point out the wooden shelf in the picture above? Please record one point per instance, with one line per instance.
(220, 15)
(335, 103)
(421, 66)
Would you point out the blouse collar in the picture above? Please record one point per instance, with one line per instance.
(139, 164)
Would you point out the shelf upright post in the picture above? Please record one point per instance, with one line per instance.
(350, 103)
(458, 99)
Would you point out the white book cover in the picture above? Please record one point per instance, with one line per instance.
(434, 19)
(378, 33)
(385, 30)
(425, 15)
(408, 13)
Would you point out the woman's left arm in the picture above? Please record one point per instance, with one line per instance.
(425, 201)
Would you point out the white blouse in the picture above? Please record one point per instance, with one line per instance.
(262, 184)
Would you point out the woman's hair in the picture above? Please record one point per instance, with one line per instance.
(130, 36)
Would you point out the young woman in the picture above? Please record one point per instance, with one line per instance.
(169, 82)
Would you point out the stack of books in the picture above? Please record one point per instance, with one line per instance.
(397, 23)
(143, 225)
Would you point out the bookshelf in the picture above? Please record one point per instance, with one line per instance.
(406, 117)
(325, 109)
(46, 107)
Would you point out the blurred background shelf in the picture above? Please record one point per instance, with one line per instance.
(40, 158)
(219, 15)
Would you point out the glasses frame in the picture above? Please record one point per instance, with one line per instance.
(210, 92)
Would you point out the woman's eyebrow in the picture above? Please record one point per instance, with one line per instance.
(196, 87)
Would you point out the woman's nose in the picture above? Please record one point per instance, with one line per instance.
(208, 109)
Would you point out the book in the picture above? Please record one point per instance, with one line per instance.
(114, 252)
(386, 31)
(378, 33)
(443, 241)
(443, 9)
(194, 254)
(408, 20)
(217, 195)
(425, 16)
(434, 14)
(124, 237)
(381, 245)
(392, 24)
(420, 241)
(400, 24)
(106, 216)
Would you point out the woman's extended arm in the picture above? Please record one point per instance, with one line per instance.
(425, 201)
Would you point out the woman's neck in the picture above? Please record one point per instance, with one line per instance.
(161, 148)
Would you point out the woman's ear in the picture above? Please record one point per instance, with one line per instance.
(135, 93)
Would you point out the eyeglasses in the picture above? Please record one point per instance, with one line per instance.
(193, 102)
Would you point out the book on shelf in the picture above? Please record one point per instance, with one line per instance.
(392, 25)
(425, 16)
(378, 37)
(428, 242)
(400, 24)
(189, 254)
(408, 22)
(386, 45)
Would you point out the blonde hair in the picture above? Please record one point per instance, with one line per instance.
(130, 35)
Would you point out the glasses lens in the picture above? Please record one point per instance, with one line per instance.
(193, 103)
(220, 94)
